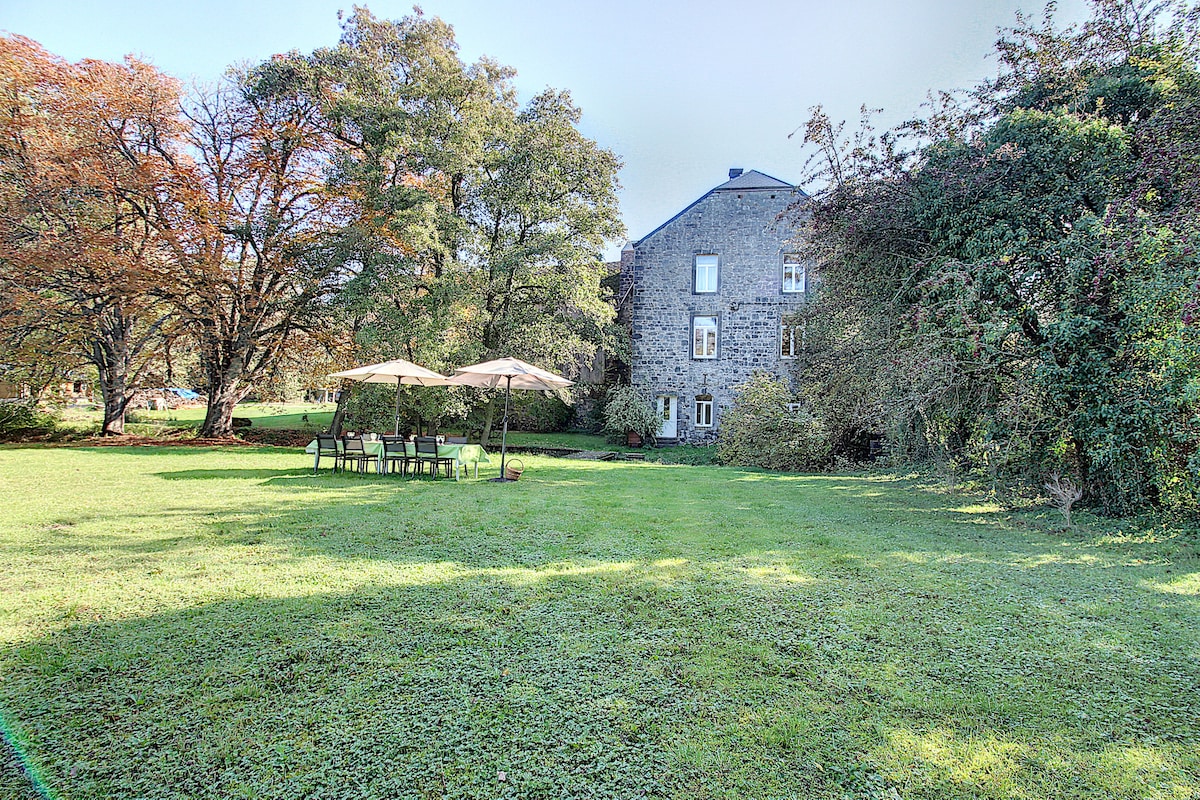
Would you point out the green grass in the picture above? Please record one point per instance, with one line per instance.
(220, 623)
(262, 415)
(578, 441)
(678, 454)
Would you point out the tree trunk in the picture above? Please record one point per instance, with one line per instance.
(112, 366)
(1091, 490)
(339, 413)
(489, 417)
(225, 371)
(226, 388)
(218, 419)
(115, 402)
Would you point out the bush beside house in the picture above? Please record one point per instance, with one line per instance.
(627, 412)
(767, 428)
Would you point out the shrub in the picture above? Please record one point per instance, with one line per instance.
(538, 413)
(1064, 494)
(22, 419)
(762, 431)
(372, 407)
(587, 413)
(276, 437)
(625, 409)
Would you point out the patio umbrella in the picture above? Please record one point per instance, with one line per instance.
(397, 371)
(511, 373)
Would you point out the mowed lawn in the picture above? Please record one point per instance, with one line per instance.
(219, 623)
(316, 416)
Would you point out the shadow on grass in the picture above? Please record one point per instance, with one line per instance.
(589, 630)
(652, 679)
(233, 474)
(465, 689)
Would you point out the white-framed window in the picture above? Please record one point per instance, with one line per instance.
(704, 337)
(795, 408)
(706, 274)
(794, 275)
(791, 340)
(704, 409)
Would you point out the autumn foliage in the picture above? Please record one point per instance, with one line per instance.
(86, 154)
(368, 200)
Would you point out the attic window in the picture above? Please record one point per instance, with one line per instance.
(705, 274)
(793, 275)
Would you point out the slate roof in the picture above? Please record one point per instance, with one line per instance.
(753, 179)
(749, 180)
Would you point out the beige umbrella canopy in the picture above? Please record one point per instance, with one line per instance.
(511, 373)
(397, 371)
(508, 372)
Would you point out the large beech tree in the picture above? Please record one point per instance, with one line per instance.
(411, 121)
(85, 156)
(259, 259)
(543, 206)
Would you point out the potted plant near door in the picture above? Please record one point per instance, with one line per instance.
(629, 418)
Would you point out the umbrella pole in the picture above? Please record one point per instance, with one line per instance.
(504, 435)
(396, 427)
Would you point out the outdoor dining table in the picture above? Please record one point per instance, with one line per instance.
(463, 454)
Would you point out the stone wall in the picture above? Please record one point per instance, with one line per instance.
(742, 227)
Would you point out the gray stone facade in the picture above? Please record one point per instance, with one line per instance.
(739, 223)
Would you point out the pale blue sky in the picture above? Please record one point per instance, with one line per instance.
(681, 90)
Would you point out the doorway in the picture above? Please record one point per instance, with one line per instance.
(667, 406)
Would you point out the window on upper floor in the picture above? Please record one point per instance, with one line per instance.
(791, 340)
(794, 275)
(705, 278)
(704, 337)
(704, 409)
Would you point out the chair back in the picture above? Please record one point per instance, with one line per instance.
(394, 445)
(456, 440)
(326, 443)
(426, 446)
(354, 445)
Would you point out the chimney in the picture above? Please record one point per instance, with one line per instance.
(627, 254)
(735, 172)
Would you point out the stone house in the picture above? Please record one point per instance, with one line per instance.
(706, 296)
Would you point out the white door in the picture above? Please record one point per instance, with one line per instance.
(668, 416)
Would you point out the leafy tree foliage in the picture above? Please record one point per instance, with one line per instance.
(256, 240)
(85, 157)
(376, 199)
(479, 225)
(1010, 284)
(626, 411)
(764, 429)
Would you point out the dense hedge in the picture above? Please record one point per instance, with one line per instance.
(762, 431)
(625, 409)
(22, 419)
(372, 407)
(538, 413)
